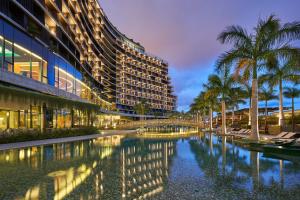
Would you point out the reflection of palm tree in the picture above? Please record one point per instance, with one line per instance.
(235, 169)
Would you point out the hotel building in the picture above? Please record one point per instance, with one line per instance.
(62, 61)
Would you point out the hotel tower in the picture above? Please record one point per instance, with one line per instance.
(62, 62)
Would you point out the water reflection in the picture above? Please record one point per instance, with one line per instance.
(130, 168)
(106, 168)
(245, 173)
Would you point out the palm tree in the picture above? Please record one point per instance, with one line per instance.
(222, 85)
(246, 86)
(292, 93)
(285, 70)
(211, 99)
(250, 53)
(266, 94)
(235, 99)
(199, 105)
(142, 107)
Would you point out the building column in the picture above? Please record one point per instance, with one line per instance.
(43, 118)
(30, 117)
(72, 118)
(7, 119)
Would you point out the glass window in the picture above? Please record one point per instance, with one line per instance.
(36, 122)
(36, 68)
(78, 88)
(8, 56)
(23, 118)
(3, 120)
(22, 61)
(62, 80)
(45, 72)
(13, 119)
(56, 77)
(70, 80)
(1, 52)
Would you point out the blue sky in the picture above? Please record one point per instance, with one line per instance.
(184, 32)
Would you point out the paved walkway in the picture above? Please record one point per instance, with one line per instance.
(63, 140)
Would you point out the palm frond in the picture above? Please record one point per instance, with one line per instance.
(236, 35)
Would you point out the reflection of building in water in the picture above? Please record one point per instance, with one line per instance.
(144, 168)
(69, 165)
(114, 140)
(97, 169)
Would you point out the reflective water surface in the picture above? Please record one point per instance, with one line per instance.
(200, 167)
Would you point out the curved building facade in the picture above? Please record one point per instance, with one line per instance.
(69, 49)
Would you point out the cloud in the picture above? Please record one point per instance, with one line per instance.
(184, 32)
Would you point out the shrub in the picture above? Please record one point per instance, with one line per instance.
(21, 135)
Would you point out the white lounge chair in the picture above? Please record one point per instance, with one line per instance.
(280, 135)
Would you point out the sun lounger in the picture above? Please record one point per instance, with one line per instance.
(289, 135)
(248, 131)
(285, 137)
(280, 135)
(242, 132)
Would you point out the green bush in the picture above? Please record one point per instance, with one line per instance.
(21, 135)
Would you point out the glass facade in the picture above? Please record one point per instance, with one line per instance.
(70, 80)
(21, 61)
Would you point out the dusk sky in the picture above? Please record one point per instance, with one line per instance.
(184, 32)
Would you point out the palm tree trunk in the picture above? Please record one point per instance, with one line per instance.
(266, 116)
(293, 115)
(254, 110)
(249, 121)
(210, 119)
(223, 117)
(232, 117)
(281, 116)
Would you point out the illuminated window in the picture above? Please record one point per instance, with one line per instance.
(21, 62)
(45, 72)
(1, 52)
(3, 120)
(36, 68)
(8, 56)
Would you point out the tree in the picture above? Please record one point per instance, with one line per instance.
(142, 107)
(250, 53)
(285, 70)
(236, 98)
(211, 99)
(246, 86)
(222, 85)
(199, 105)
(292, 93)
(266, 94)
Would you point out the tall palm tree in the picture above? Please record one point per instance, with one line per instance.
(292, 93)
(266, 94)
(250, 53)
(285, 70)
(222, 85)
(246, 86)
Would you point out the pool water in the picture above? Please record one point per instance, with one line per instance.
(117, 167)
